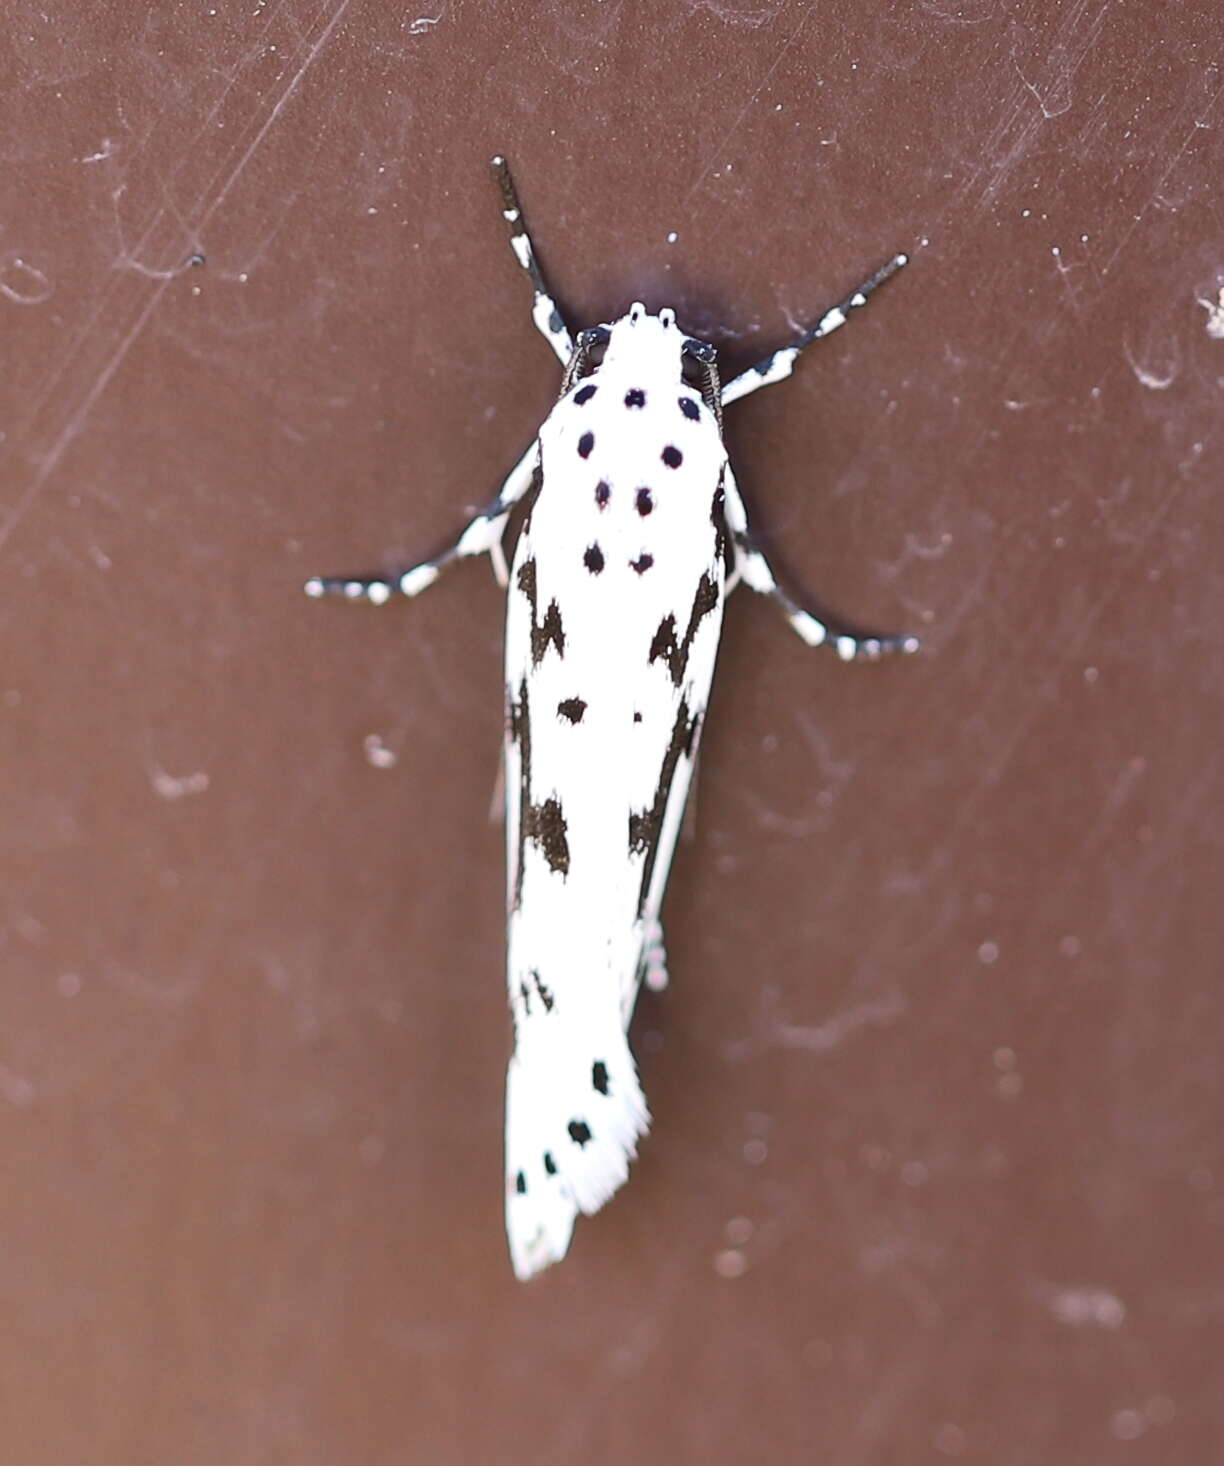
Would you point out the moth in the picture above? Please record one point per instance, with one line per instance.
(634, 534)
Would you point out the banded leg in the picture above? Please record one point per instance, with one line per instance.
(751, 566)
(482, 536)
(779, 364)
(549, 321)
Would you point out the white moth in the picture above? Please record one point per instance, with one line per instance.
(634, 534)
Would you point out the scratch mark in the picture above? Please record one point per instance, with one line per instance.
(743, 112)
(959, 17)
(1064, 275)
(107, 150)
(748, 19)
(1149, 378)
(1197, 126)
(77, 418)
(311, 55)
(21, 282)
(821, 1038)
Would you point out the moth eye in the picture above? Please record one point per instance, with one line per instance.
(667, 316)
(593, 342)
(699, 350)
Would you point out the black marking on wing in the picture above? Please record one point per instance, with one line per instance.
(665, 644)
(602, 493)
(545, 824)
(572, 709)
(542, 823)
(545, 992)
(520, 1184)
(672, 456)
(551, 629)
(579, 1132)
(584, 394)
(530, 497)
(549, 1164)
(646, 825)
(599, 1076)
(643, 502)
(690, 409)
(593, 559)
(643, 563)
(635, 397)
(718, 519)
(585, 444)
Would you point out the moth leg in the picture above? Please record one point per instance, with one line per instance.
(751, 566)
(482, 536)
(779, 364)
(548, 319)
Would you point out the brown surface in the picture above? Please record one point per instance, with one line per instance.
(939, 1073)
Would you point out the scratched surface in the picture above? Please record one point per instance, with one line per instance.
(936, 1171)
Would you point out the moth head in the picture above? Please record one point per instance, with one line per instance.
(649, 343)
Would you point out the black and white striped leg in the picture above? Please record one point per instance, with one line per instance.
(482, 536)
(549, 321)
(751, 566)
(779, 364)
